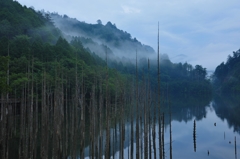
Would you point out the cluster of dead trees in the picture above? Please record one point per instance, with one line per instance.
(60, 117)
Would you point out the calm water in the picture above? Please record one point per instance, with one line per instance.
(214, 139)
(217, 125)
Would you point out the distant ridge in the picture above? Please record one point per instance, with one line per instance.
(120, 42)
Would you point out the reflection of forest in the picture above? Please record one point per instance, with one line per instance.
(228, 107)
(185, 108)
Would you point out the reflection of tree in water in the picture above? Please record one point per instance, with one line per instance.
(185, 108)
(228, 107)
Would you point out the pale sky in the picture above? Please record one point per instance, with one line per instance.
(201, 32)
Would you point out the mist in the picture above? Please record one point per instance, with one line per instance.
(121, 47)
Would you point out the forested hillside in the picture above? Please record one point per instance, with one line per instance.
(227, 75)
(32, 47)
(65, 96)
(51, 83)
(121, 43)
(122, 48)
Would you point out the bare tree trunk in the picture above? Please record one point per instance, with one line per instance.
(149, 136)
(107, 146)
(235, 147)
(36, 124)
(66, 120)
(7, 105)
(145, 133)
(21, 124)
(25, 134)
(154, 132)
(163, 126)
(146, 117)
(137, 120)
(44, 117)
(170, 120)
(82, 122)
(61, 118)
(27, 113)
(74, 113)
(31, 146)
(159, 107)
(122, 139)
(3, 127)
(115, 139)
(100, 119)
(194, 136)
(92, 122)
(50, 118)
(132, 129)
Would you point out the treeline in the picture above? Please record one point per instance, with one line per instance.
(228, 108)
(109, 32)
(23, 58)
(32, 42)
(16, 19)
(226, 77)
(178, 78)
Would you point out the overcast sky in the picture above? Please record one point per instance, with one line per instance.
(201, 32)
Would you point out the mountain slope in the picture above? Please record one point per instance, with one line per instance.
(227, 75)
(120, 42)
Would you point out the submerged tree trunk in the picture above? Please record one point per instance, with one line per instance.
(163, 126)
(132, 129)
(194, 136)
(170, 130)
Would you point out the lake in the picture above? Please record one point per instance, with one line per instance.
(216, 130)
(217, 125)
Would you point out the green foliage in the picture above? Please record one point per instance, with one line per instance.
(227, 75)
(17, 20)
(109, 34)
(4, 88)
(228, 107)
(37, 50)
(177, 78)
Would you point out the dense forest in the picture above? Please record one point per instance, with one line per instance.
(227, 75)
(59, 89)
(31, 37)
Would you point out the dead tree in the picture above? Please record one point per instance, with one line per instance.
(170, 130)
(194, 136)
(107, 144)
(82, 121)
(137, 113)
(158, 97)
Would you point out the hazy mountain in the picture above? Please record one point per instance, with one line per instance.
(227, 75)
(94, 36)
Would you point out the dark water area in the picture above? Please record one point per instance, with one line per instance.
(201, 127)
(217, 127)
